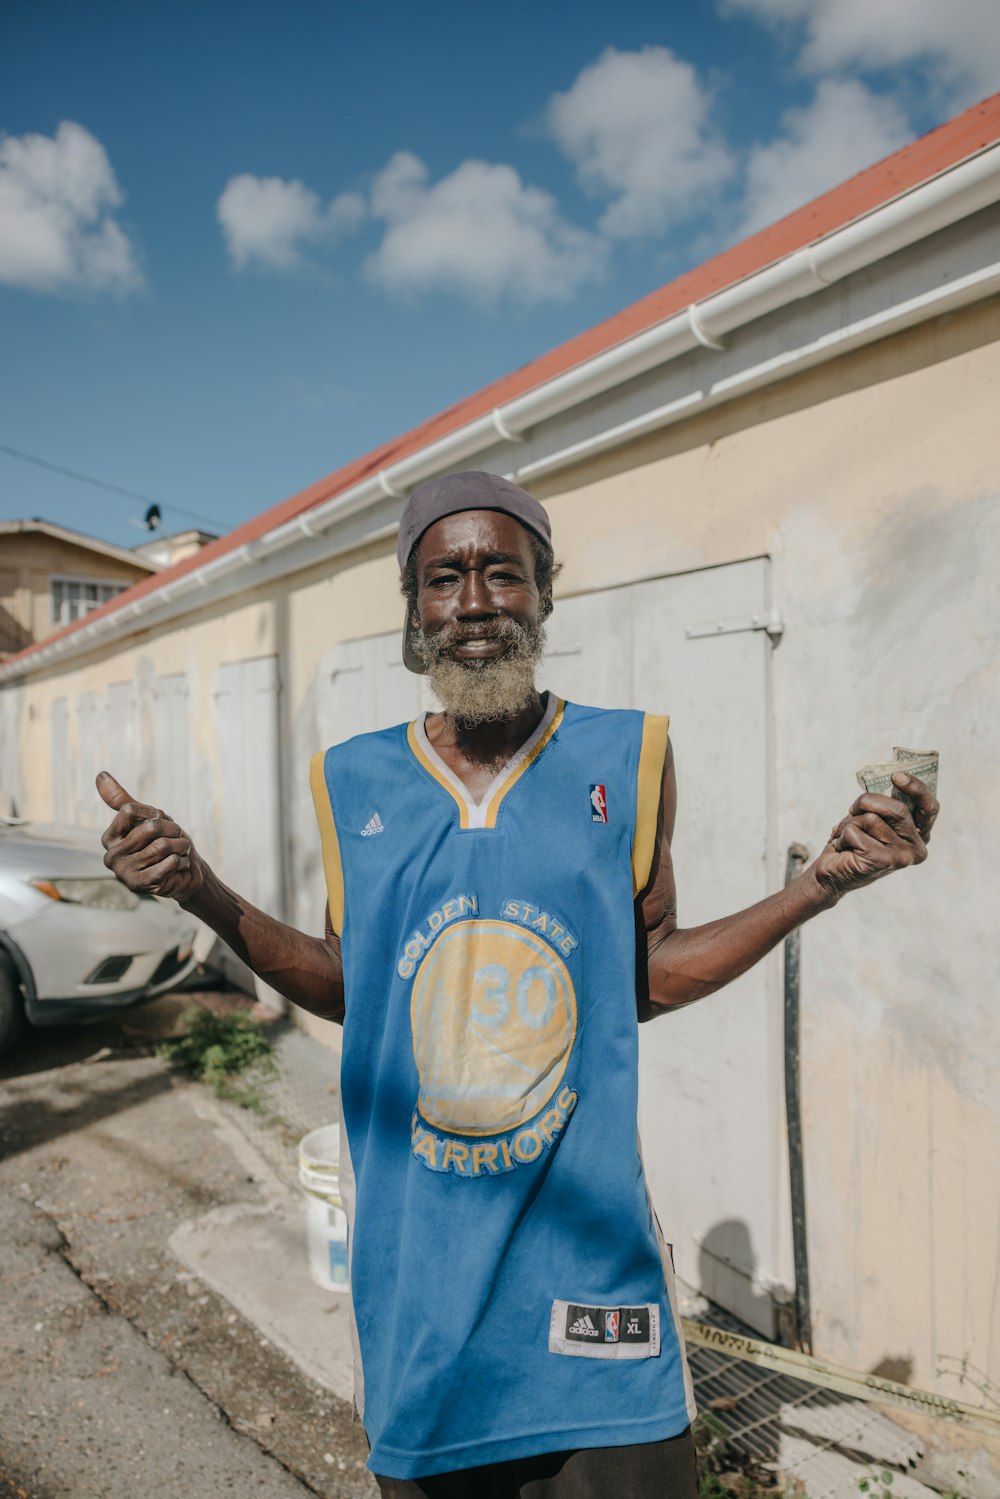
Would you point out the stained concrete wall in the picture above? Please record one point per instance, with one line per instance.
(872, 483)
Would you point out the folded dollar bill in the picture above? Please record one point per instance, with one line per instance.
(920, 763)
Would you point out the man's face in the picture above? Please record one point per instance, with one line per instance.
(479, 613)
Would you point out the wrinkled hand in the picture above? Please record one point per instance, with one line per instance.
(878, 835)
(145, 849)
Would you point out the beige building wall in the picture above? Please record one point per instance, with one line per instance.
(872, 483)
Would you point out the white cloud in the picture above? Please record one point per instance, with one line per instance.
(266, 220)
(958, 40)
(844, 129)
(479, 231)
(58, 231)
(638, 126)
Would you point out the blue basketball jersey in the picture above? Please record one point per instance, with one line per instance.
(510, 1289)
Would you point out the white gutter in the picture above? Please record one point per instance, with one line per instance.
(953, 294)
(953, 195)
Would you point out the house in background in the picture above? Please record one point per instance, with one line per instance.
(164, 551)
(51, 576)
(775, 483)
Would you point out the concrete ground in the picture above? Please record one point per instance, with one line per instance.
(153, 1281)
(159, 1331)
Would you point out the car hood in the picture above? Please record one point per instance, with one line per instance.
(42, 857)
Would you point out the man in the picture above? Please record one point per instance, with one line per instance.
(488, 871)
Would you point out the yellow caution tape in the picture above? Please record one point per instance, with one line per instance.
(836, 1377)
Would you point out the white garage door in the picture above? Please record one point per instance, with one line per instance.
(120, 736)
(369, 688)
(90, 758)
(171, 780)
(711, 1081)
(246, 719)
(59, 741)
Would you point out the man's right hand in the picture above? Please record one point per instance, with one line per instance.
(145, 849)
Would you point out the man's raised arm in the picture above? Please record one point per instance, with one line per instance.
(878, 835)
(152, 855)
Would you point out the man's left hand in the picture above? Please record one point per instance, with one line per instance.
(878, 835)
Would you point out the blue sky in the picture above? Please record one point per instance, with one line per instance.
(242, 244)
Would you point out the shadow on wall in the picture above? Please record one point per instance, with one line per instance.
(727, 1267)
(813, 1435)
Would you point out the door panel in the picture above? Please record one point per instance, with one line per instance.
(588, 654)
(120, 734)
(170, 782)
(710, 1075)
(59, 740)
(90, 758)
(246, 714)
(245, 694)
(370, 689)
(710, 1080)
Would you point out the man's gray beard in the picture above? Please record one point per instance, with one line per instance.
(476, 692)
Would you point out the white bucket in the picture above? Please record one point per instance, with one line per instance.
(319, 1174)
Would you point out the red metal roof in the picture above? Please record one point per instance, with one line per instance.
(907, 168)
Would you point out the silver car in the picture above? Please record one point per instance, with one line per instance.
(74, 943)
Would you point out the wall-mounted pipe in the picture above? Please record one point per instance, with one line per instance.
(797, 856)
(945, 298)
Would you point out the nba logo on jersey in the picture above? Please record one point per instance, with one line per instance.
(598, 804)
(611, 1327)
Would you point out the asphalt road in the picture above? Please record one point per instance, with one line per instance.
(121, 1374)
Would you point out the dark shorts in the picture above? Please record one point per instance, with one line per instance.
(646, 1470)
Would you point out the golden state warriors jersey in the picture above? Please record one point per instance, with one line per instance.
(510, 1290)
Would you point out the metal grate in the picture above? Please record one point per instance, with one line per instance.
(791, 1431)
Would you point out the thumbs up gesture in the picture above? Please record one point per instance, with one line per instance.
(145, 849)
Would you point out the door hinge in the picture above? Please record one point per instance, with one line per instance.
(769, 620)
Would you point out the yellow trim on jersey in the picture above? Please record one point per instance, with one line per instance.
(329, 843)
(648, 795)
(432, 770)
(493, 808)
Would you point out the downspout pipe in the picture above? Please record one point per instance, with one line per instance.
(797, 856)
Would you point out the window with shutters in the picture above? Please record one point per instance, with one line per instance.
(73, 598)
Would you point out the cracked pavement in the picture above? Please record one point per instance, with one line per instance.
(123, 1373)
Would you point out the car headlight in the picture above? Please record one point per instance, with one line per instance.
(102, 894)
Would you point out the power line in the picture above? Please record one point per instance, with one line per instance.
(129, 494)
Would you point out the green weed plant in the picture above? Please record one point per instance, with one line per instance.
(231, 1054)
(719, 1464)
(877, 1484)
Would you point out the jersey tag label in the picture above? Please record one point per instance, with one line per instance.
(604, 1331)
(598, 804)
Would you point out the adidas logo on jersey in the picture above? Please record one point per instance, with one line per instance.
(613, 1332)
(372, 826)
(583, 1328)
